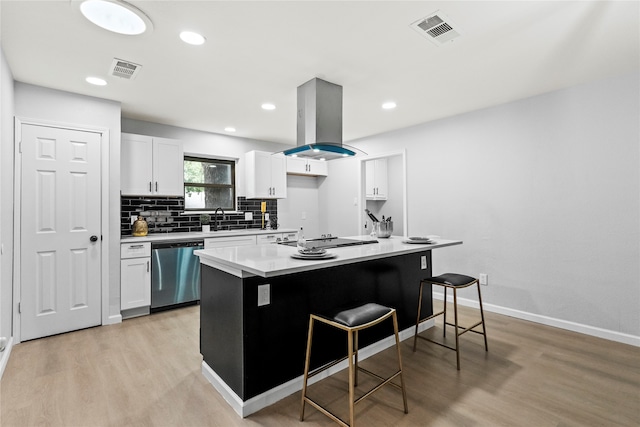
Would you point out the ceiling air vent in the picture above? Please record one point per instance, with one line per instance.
(438, 28)
(124, 69)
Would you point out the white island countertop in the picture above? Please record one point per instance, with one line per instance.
(271, 260)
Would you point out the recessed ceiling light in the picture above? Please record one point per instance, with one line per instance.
(230, 129)
(192, 38)
(294, 155)
(389, 105)
(96, 81)
(117, 16)
(268, 106)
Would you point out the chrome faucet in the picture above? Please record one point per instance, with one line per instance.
(215, 218)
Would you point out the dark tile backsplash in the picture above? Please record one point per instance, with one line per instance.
(164, 214)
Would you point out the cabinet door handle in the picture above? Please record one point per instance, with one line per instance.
(156, 186)
(274, 191)
(135, 246)
(147, 266)
(150, 188)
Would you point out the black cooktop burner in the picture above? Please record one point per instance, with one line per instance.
(328, 243)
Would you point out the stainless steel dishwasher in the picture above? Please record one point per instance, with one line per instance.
(175, 274)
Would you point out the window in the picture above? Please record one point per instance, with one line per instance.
(209, 184)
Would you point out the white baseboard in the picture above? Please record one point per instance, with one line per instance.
(4, 356)
(551, 321)
(246, 408)
(112, 320)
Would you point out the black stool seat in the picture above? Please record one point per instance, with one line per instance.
(452, 279)
(360, 315)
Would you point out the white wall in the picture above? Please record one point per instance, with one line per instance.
(302, 202)
(6, 197)
(35, 102)
(339, 214)
(545, 193)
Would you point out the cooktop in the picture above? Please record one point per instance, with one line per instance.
(329, 242)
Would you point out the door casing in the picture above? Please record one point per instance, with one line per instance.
(17, 222)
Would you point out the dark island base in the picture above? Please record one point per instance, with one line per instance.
(254, 349)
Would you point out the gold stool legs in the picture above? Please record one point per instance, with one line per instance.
(306, 367)
(352, 356)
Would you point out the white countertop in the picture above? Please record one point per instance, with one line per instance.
(271, 260)
(169, 237)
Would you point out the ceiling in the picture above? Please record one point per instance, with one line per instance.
(261, 51)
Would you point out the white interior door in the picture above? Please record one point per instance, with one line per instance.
(60, 258)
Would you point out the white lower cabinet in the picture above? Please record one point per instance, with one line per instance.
(262, 239)
(290, 236)
(135, 275)
(220, 242)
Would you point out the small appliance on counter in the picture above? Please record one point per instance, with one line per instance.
(140, 227)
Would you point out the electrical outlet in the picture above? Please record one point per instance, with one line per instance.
(423, 262)
(484, 279)
(248, 216)
(133, 218)
(264, 295)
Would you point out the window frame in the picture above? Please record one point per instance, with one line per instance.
(232, 186)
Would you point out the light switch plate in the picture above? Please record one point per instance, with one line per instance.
(264, 295)
(248, 216)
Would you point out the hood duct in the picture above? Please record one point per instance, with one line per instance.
(319, 134)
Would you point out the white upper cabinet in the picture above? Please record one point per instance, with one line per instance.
(265, 175)
(151, 166)
(310, 167)
(376, 179)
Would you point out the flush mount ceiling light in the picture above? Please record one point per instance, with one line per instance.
(117, 16)
(96, 81)
(389, 105)
(192, 38)
(230, 129)
(268, 106)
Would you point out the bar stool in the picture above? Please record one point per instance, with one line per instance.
(352, 321)
(451, 281)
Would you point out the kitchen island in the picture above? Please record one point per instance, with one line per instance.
(256, 301)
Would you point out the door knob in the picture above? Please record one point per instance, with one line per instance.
(93, 238)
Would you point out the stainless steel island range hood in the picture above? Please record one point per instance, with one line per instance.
(319, 122)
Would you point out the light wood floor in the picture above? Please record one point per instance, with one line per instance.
(146, 372)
